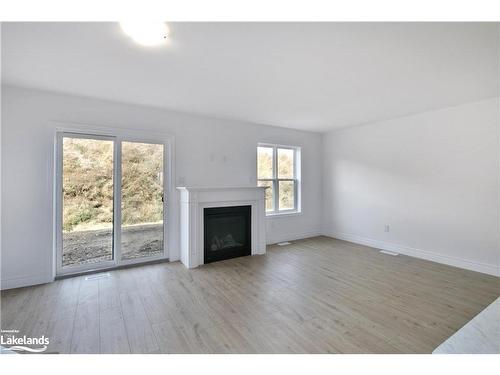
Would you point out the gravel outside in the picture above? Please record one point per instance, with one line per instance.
(93, 246)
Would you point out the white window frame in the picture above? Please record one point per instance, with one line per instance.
(118, 136)
(275, 180)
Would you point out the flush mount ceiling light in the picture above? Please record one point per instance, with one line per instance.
(146, 33)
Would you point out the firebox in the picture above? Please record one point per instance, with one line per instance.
(227, 232)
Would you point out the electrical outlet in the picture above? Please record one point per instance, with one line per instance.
(387, 228)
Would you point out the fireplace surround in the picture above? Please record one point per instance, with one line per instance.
(226, 200)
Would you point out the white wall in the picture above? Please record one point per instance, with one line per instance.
(433, 177)
(200, 147)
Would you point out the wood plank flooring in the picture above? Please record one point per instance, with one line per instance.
(317, 295)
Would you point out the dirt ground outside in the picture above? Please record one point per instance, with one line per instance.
(93, 246)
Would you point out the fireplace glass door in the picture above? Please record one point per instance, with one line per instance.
(227, 232)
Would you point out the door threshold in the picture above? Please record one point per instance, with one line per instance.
(121, 267)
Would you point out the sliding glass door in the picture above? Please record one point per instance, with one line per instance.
(142, 200)
(87, 200)
(110, 199)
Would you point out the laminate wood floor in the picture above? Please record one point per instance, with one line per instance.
(317, 295)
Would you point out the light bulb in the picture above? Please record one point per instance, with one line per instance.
(146, 33)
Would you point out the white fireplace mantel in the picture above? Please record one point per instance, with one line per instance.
(193, 200)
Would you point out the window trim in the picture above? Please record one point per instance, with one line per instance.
(275, 180)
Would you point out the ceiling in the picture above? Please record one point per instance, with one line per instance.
(309, 76)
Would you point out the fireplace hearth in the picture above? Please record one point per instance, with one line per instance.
(227, 232)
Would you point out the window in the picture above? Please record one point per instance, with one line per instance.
(278, 169)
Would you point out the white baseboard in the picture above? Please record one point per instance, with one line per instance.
(290, 237)
(19, 282)
(489, 269)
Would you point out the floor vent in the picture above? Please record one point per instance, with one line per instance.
(389, 252)
(284, 243)
(98, 276)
